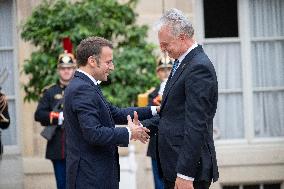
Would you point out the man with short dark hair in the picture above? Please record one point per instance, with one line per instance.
(92, 139)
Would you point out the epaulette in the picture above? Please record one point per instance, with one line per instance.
(47, 87)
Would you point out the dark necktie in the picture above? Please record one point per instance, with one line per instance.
(175, 66)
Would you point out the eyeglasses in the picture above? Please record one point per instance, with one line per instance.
(108, 63)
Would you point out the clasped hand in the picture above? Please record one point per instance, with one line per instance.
(183, 184)
(138, 132)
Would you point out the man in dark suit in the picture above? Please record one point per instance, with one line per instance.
(91, 136)
(185, 138)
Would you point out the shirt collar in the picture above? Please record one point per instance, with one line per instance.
(180, 59)
(89, 76)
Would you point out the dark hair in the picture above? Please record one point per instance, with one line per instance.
(91, 46)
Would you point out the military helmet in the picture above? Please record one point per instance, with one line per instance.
(66, 60)
(164, 61)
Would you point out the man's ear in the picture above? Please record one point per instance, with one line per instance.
(92, 61)
(182, 36)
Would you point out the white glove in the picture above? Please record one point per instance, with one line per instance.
(60, 118)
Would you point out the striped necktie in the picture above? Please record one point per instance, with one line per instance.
(175, 66)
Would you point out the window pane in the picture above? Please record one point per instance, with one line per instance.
(7, 78)
(9, 136)
(220, 18)
(271, 186)
(228, 121)
(231, 187)
(6, 23)
(227, 62)
(269, 114)
(268, 64)
(266, 18)
(251, 187)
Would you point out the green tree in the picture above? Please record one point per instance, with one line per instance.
(52, 21)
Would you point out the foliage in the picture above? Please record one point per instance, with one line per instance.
(53, 20)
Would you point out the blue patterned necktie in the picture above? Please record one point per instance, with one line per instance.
(175, 66)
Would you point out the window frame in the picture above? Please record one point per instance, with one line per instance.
(247, 90)
(14, 148)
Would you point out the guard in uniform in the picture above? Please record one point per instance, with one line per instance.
(4, 118)
(163, 70)
(50, 114)
(4, 114)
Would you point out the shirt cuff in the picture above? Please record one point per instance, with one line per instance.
(185, 177)
(154, 110)
(129, 132)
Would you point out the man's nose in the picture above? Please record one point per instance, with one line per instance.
(163, 48)
(111, 66)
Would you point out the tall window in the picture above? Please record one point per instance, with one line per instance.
(7, 54)
(222, 45)
(262, 99)
(267, 47)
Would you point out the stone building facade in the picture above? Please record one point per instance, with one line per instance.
(245, 41)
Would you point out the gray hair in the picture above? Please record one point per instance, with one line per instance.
(177, 21)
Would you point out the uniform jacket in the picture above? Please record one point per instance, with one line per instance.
(91, 136)
(4, 119)
(185, 137)
(55, 149)
(4, 124)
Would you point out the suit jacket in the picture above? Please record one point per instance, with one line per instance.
(91, 136)
(5, 114)
(185, 137)
(4, 117)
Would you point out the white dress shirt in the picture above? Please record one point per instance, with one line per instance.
(180, 59)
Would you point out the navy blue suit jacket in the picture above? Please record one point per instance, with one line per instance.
(91, 136)
(185, 136)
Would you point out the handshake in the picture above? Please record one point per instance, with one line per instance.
(138, 132)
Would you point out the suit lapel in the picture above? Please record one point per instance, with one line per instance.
(171, 81)
(87, 79)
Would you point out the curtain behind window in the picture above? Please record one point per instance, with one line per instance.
(7, 61)
(226, 58)
(266, 18)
